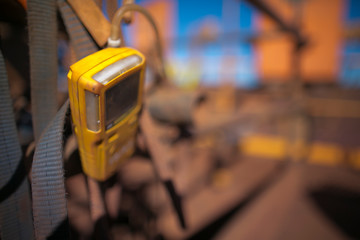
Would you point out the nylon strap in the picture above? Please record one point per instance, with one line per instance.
(93, 19)
(42, 23)
(49, 201)
(80, 39)
(15, 207)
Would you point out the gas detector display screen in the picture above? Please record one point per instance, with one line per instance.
(121, 98)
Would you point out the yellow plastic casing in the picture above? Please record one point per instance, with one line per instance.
(103, 151)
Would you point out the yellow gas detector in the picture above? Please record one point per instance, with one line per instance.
(105, 91)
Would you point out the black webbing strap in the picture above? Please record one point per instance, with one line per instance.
(80, 39)
(42, 24)
(48, 192)
(49, 200)
(15, 206)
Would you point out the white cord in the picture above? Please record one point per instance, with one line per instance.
(113, 43)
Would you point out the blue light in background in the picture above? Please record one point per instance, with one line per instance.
(350, 72)
(353, 11)
(191, 12)
(234, 19)
(350, 69)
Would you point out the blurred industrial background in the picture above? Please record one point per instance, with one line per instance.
(261, 135)
(223, 34)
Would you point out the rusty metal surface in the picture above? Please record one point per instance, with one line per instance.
(221, 195)
(174, 106)
(282, 212)
(213, 178)
(160, 151)
(195, 177)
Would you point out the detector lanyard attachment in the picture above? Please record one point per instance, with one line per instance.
(116, 38)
